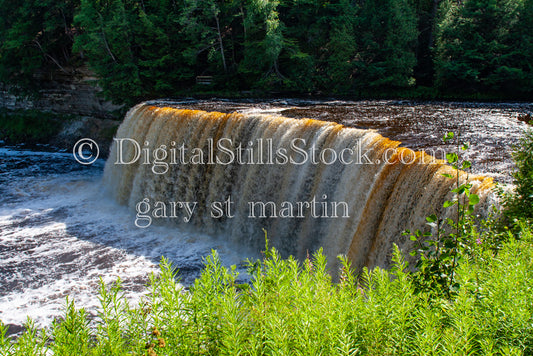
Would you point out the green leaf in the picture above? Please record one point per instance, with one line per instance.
(448, 203)
(450, 245)
(466, 165)
(431, 218)
(451, 157)
(448, 136)
(460, 190)
(412, 238)
(447, 175)
(474, 199)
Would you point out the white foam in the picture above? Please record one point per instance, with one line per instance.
(65, 234)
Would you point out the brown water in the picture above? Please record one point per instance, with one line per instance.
(491, 128)
(355, 207)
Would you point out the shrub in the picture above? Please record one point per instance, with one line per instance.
(519, 204)
(439, 255)
(28, 126)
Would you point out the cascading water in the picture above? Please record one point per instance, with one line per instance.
(309, 183)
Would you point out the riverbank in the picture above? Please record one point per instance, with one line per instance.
(60, 131)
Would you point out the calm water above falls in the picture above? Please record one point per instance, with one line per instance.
(59, 232)
(491, 129)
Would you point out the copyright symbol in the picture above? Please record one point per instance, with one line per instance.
(85, 151)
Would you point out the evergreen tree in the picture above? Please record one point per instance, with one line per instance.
(161, 46)
(143, 49)
(514, 74)
(307, 27)
(341, 50)
(387, 34)
(35, 40)
(204, 26)
(216, 31)
(484, 45)
(426, 13)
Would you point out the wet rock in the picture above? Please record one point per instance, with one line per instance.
(100, 130)
(14, 330)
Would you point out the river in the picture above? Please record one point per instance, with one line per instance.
(60, 231)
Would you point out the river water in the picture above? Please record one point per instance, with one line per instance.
(491, 129)
(60, 233)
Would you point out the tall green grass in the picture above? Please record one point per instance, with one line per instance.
(293, 308)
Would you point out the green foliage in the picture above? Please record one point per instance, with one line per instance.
(29, 126)
(341, 48)
(35, 38)
(426, 13)
(263, 42)
(128, 48)
(387, 36)
(519, 204)
(375, 48)
(348, 46)
(439, 254)
(485, 45)
(290, 307)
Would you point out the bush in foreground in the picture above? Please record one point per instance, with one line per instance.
(294, 308)
(519, 203)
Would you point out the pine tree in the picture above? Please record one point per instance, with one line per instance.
(139, 49)
(35, 40)
(387, 34)
(306, 32)
(426, 13)
(482, 46)
(106, 39)
(341, 48)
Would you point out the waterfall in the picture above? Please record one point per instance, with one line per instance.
(348, 190)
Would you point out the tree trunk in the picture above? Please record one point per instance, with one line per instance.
(433, 19)
(221, 45)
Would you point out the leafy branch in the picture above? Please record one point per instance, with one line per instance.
(439, 254)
